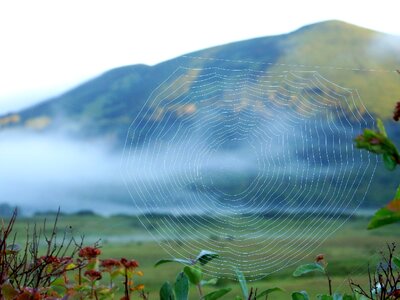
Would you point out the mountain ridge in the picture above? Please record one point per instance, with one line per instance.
(342, 52)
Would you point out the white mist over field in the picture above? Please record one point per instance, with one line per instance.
(43, 172)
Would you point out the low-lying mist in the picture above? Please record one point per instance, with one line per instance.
(44, 172)
(41, 172)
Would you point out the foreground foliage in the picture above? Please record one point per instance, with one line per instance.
(64, 269)
(377, 141)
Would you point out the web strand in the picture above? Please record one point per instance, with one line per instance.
(257, 166)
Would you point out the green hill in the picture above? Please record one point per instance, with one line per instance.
(344, 54)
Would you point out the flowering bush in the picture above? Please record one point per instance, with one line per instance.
(65, 270)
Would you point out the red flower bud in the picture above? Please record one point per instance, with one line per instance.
(110, 263)
(89, 252)
(129, 264)
(319, 258)
(93, 275)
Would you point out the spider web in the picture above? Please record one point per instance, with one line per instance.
(257, 166)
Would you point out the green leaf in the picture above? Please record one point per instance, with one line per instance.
(269, 291)
(194, 274)
(242, 282)
(307, 268)
(384, 216)
(116, 273)
(217, 294)
(59, 281)
(70, 266)
(105, 292)
(212, 281)
(381, 127)
(205, 257)
(387, 215)
(396, 262)
(389, 161)
(92, 264)
(325, 297)
(166, 292)
(360, 297)
(337, 296)
(300, 296)
(182, 286)
(178, 260)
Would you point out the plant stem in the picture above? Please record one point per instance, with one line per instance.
(80, 276)
(329, 282)
(95, 295)
(200, 291)
(126, 285)
(92, 291)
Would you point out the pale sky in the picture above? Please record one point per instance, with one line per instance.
(48, 46)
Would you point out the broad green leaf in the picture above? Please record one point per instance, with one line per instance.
(269, 291)
(300, 296)
(242, 282)
(194, 274)
(325, 297)
(93, 264)
(205, 257)
(116, 273)
(307, 268)
(217, 294)
(166, 292)
(181, 286)
(378, 143)
(389, 161)
(394, 206)
(396, 262)
(70, 266)
(384, 216)
(387, 215)
(105, 291)
(381, 127)
(212, 281)
(178, 260)
(60, 281)
(360, 297)
(348, 297)
(337, 296)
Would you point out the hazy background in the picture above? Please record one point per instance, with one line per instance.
(48, 47)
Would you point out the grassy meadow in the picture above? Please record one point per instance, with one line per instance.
(348, 251)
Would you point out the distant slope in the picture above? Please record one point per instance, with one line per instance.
(342, 53)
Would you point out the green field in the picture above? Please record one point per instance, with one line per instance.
(348, 252)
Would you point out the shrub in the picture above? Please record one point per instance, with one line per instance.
(61, 269)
